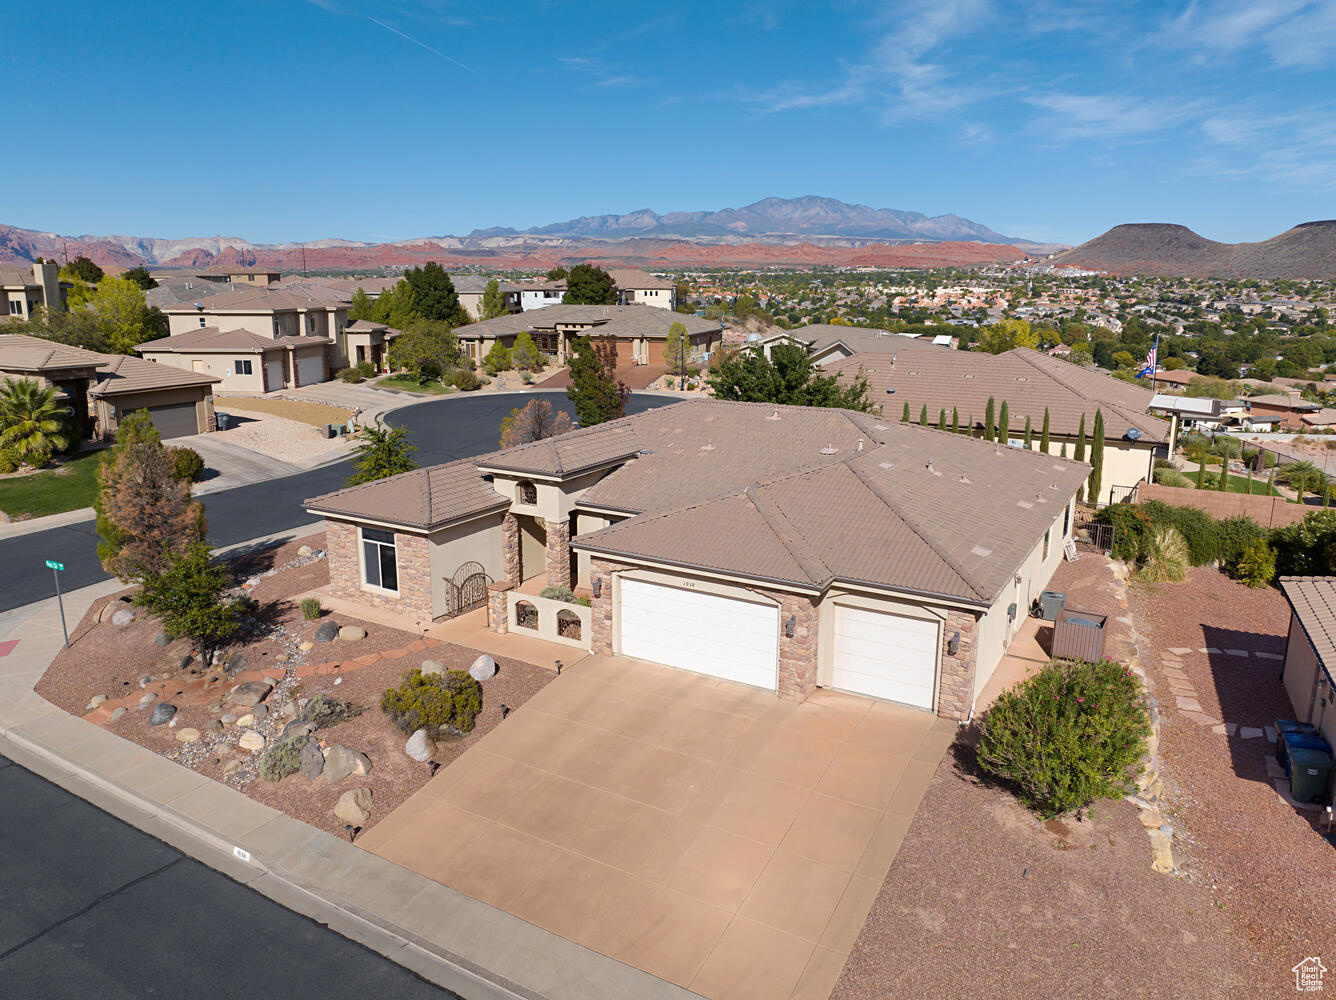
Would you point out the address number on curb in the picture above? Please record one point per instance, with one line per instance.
(242, 853)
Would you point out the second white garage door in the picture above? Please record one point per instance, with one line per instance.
(885, 656)
(310, 370)
(720, 636)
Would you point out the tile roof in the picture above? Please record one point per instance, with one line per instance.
(567, 454)
(284, 297)
(122, 374)
(21, 352)
(424, 498)
(1285, 401)
(630, 277)
(116, 373)
(1313, 601)
(210, 339)
(1027, 380)
(820, 336)
(622, 321)
(366, 326)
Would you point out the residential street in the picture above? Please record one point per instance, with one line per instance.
(94, 908)
(443, 430)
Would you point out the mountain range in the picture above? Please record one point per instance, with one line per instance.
(1308, 251)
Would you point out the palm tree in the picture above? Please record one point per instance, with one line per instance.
(1302, 475)
(31, 421)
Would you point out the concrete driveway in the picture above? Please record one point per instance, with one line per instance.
(700, 830)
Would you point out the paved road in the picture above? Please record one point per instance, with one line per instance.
(443, 430)
(94, 908)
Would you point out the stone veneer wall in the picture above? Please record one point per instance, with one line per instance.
(600, 607)
(558, 553)
(797, 655)
(955, 690)
(498, 615)
(413, 556)
(510, 549)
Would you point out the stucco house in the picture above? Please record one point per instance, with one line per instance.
(919, 374)
(636, 287)
(1287, 409)
(1310, 650)
(242, 361)
(541, 294)
(24, 291)
(787, 548)
(472, 287)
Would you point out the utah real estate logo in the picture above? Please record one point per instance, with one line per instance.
(1308, 975)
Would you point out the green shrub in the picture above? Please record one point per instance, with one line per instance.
(1165, 556)
(451, 700)
(365, 368)
(10, 460)
(325, 711)
(349, 375)
(465, 380)
(564, 594)
(1234, 534)
(1226, 446)
(187, 462)
(1162, 463)
(311, 609)
(283, 759)
(1255, 565)
(1196, 526)
(1070, 734)
(497, 359)
(1308, 547)
(1131, 525)
(1169, 476)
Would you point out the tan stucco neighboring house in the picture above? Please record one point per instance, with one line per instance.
(242, 361)
(368, 341)
(636, 287)
(471, 288)
(237, 274)
(25, 290)
(919, 374)
(100, 389)
(1310, 650)
(787, 548)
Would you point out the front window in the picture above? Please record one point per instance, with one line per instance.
(378, 564)
(203, 321)
(243, 367)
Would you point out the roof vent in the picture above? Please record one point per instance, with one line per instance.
(1024, 503)
(879, 427)
(911, 373)
(829, 449)
(969, 375)
(707, 447)
(964, 478)
(887, 465)
(979, 550)
(773, 416)
(1040, 498)
(1059, 468)
(860, 444)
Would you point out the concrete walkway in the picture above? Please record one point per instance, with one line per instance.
(457, 942)
(231, 464)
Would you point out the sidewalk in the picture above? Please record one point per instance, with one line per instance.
(446, 937)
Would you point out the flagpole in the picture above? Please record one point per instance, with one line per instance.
(1155, 361)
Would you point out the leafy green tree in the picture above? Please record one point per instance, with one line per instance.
(497, 358)
(789, 376)
(493, 301)
(1302, 477)
(590, 285)
(557, 273)
(84, 270)
(361, 306)
(1097, 458)
(189, 597)
(395, 306)
(525, 355)
(534, 421)
(1043, 434)
(434, 295)
(141, 277)
(144, 510)
(425, 349)
(595, 391)
(989, 425)
(676, 349)
(1079, 453)
(1006, 335)
(124, 317)
(382, 452)
(33, 424)
(683, 292)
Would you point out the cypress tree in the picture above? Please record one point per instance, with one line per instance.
(1062, 450)
(969, 428)
(1029, 433)
(1201, 473)
(1079, 454)
(941, 419)
(955, 420)
(1097, 458)
(1004, 424)
(1043, 434)
(904, 417)
(988, 425)
(1223, 484)
(1271, 484)
(923, 416)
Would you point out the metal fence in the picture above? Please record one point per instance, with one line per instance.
(1090, 534)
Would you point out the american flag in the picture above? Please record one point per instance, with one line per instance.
(1149, 367)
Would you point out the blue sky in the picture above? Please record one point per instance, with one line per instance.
(278, 120)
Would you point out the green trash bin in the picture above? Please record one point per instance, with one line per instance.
(1310, 773)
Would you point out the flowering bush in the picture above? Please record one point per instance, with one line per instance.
(1072, 733)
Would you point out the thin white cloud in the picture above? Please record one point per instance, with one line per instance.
(421, 44)
(1293, 33)
(1296, 148)
(1074, 117)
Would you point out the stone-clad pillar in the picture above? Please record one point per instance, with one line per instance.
(558, 553)
(510, 549)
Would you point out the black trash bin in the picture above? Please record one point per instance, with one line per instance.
(1310, 774)
(1303, 741)
(1284, 726)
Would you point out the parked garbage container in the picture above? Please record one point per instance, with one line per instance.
(1310, 774)
(1079, 635)
(1284, 726)
(1302, 741)
(1050, 603)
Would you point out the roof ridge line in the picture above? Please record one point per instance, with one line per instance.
(916, 529)
(788, 534)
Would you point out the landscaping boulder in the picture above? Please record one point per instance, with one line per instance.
(352, 633)
(432, 667)
(187, 735)
(122, 617)
(420, 746)
(236, 663)
(306, 647)
(313, 760)
(250, 693)
(96, 700)
(354, 806)
(231, 767)
(246, 721)
(260, 712)
(296, 729)
(483, 668)
(227, 718)
(117, 712)
(326, 632)
(304, 552)
(111, 607)
(161, 639)
(148, 699)
(162, 714)
(341, 761)
(251, 740)
(213, 726)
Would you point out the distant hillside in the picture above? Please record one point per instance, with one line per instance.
(1307, 251)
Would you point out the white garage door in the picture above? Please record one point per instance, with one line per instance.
(885, 656)
(310, 370)
(274, 375)
(719, 636)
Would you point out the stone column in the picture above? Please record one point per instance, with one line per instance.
(498, 618)
(600, 605)
(955, 691)
(558, 553)
(797, 654)
(510, 549)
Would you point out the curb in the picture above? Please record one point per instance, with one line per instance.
(34, 524)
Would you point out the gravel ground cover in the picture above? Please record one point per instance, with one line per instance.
(984, 899)
(278, 437)
(316, 414)
(125, 666)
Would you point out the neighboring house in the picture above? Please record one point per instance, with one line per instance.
(1310, 651)
(540, 294)
(235, 274)
(471, 288)
(639, 332)
(636, 287)
(25, 291)
(915, 372)
(99, 389)
(828, 343)
(368, 341)
(1201, 412)
(242, 361)
(784, 547)
(305, 309)
(1323, 418)
(1288, 410)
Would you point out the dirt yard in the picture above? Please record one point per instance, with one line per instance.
(124, 664)
(316, 414)
(984, 899)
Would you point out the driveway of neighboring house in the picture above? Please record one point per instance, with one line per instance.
(703, 831)
(635, 376)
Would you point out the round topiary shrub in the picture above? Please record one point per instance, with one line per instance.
(1072, 733)
(449, 700)
(187, 464)
(350, 375)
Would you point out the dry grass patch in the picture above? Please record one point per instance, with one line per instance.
(317, 414)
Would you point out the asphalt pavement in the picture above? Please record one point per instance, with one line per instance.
(443, 430)
(94, 908)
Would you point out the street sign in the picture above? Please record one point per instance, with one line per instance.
(56, 568)
(52, 564)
